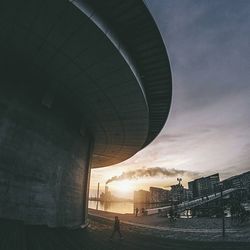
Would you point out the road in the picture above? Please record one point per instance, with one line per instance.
(16, 236)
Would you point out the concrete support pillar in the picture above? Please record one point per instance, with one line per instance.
(44, 162)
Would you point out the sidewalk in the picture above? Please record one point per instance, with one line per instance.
(188, 229)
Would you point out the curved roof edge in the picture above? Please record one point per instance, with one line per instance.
(133, 31)
(91, 13)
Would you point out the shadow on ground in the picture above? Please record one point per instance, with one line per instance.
(15, 235)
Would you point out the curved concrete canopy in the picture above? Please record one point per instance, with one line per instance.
(105, 59)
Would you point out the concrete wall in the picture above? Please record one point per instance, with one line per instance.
(44, 160)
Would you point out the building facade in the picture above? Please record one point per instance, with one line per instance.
(159, 195)
(204, 186)
(141, 196)
(238, 181)
(188, 194)
(179, 194)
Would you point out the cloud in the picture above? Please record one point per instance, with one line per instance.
(208, 45)
(151, 172)
(208, 129)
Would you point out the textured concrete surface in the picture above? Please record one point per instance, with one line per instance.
(65, 80)
(67, 54)
(43, 162)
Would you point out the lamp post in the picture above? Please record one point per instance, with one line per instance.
(179, 190)
(222, 209)
(179, 180)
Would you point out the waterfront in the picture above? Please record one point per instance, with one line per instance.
(126, 207)
(121, 207)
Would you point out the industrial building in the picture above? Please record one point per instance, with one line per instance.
(106, 196)
(141, 196)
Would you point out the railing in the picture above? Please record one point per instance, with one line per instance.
(191, 204)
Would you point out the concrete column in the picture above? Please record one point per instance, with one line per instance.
(44, 161)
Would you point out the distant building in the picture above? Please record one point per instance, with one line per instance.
(238, 181)
(106, 196)
(179, 194)
(176, 191)
(159, 195)
(187, 194)
(204, 186)
(141, 196)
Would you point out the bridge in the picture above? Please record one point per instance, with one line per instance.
(187, 205)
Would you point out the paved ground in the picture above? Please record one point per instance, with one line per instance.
(16, 236)
(189, 229)
(155, 220)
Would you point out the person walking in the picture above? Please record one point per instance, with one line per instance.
(171, 214)
(116, 228)
(143, 211)
(136, 212)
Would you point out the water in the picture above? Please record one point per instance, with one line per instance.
(114, 207)
(120, 207)
(129, 207)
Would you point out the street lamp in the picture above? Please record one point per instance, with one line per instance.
(179, 180)
(179, 190)
(222, 209)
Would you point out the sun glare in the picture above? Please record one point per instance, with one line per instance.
(124, 186)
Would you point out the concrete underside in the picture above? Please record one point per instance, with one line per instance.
(72, 96)
(70, 57)
(44, 161)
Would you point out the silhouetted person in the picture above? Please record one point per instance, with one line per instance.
(175, 214)
(136, 211)
(116, 228)
(142, 211)
(171, 214)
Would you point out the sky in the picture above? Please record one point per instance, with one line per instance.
(208, 128)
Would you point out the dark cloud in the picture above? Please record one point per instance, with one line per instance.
(151, 172)
(208, 43)
(171, 137)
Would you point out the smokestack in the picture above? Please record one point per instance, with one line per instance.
(98, 190)
(106, 189)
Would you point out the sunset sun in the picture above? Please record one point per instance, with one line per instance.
(124, 186)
